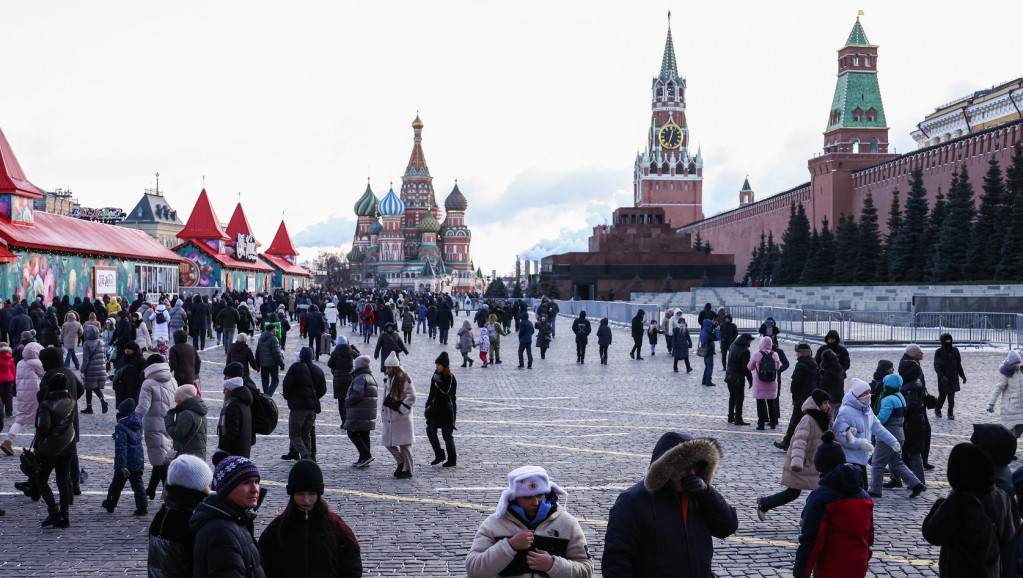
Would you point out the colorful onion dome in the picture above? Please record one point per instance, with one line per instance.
(375, 227)
(455, 201)
(367, 204)
(428, 224)
(355, 255)
(391, 205)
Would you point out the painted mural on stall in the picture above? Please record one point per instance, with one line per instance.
(50, 275)
(202, 270)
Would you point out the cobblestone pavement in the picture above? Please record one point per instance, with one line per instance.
(593, 427)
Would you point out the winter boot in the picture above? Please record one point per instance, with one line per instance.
(6, 447)
(88, 409)
(452, 458)
(105, 405)
(52, 518)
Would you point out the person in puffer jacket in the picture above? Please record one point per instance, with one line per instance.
(663, 525)
(155, 400)
(838, 519)
(171, 540)
(224, 522)
(891, 408)
(507, 543)
(29, 373)
(129, 460)
(855, 424)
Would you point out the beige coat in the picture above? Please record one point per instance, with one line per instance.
(491, 553)
(396, 427)
(1010, 389)
(799, 472)
(155, 400)
(71, 331)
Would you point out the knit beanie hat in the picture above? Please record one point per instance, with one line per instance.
(305, 476)
(361, 361)
(820, 396)
(803, 347)
(829, 454)
(233, 383)
(892, 380)
(392, 360)
(341, 340)
(443, 360)
(913, 350)
(305, 354)
(970, 469)
(231, 472)
(127, 406)
(234, 369)
(219, 456)
(859, 387)
(57, 382)
(527, 481)
(190, 472)
(154, 359)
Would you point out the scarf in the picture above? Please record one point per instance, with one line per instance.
(541, 513)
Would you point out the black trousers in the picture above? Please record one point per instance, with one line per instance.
(580, 350)
(199, 340)
(526, 348)
(797, 415)
(602, 350)
(449, 441)
(361, 441)
(736, 394)
(951, 396)
(62, 465)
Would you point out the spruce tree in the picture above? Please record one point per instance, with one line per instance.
(846, 250)
(497, 288)
(931, 234)
(698, 245)
(1010, 266)
(826, 253)
(794, 248)
(905, 256)
(517, 290)
(806, 276)
(707, 248)
(637, 285)
(669, 284)
(755, 271)
(894, 220)
(771, 259)
(988, 231)
(868, 247)
(554, 288)
(952, 247)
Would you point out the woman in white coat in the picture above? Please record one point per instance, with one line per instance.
(155, 399)
(160, 328)
(396, 416)
(1010, 389)
(530, 533)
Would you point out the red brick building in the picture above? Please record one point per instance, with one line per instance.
(855, 160)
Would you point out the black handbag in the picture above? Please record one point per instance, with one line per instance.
(29, 463)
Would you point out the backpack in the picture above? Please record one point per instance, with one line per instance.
(160, 317)
(490, 329)
(264, 413)
(767, 370)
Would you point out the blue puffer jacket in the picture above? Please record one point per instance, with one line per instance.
(855, 413)
(707, 337)
(129, 451)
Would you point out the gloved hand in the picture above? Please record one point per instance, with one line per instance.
(850, 435)
(964, 380)
(897, 447)
(853, 430)
(991, 408)
(866, 446)
(796, 467)
(694, 485)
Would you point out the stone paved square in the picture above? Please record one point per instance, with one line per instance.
(592, 426)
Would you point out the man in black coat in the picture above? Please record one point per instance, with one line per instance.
(304, 385)
(805, 378)
(315, 327)
(737, 376)
(663, 525)
(444, 321)
(130, 374)
(581, 327)
(124, 332)
(728, 334)
(917, 427)
(224, 522)
(234, 432)
(389, 341)
(948, 365)
(707, 313)
(197, 322)
(637, 335)
(833, 342)
(6, 314)
(20, 323)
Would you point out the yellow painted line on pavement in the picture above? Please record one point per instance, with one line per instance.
(584, 410)
(875, 555)
(616, 426)
(585, 450)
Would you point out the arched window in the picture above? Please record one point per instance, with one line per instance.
(854, 145)
(857, 114)
(664, 168)
(660, 93)
(871, 115)
(679, 168)
(874, 145)
(653, 168)
(671, 90)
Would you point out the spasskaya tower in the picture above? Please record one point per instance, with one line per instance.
(667, 174)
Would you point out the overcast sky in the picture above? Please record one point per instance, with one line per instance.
(537, 108)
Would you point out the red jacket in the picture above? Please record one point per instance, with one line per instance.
(7, 367)
(838, 527)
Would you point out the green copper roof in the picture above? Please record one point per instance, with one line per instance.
(366, 206)
(857, 37)
(856, 90)
(745, 185)
(428, 271)
(669, 69)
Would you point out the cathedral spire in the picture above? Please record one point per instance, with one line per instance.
(669, 69)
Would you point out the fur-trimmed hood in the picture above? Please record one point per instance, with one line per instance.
(676, 452)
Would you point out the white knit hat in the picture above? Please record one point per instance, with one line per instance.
(233, 383)
(190, 472)
(527, 481)
(859, 387)
(361, 361)
(392, 360)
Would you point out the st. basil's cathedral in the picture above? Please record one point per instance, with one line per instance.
(402, 239)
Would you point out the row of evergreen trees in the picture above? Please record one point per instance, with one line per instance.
(953, 241)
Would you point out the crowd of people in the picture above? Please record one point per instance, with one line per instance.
(204, 526)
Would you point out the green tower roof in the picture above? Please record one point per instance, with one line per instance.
(857, 90)
(857, 37)
(669, 68)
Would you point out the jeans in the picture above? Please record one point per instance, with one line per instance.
(783, 497)
(553, 321)
(421, 323)
(72, 356)
(228, 338)
(708, 369)
(314, 344)
(367, 330)
(270, 375)
(884, 455)
(63, 466)
(199, 340)
(300, 431)
(117, 484)
(444, 335)
(432, 331)
(526, 348)
(361, 441)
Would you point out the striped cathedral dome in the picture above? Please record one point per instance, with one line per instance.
(455, 201)
(367, 204)
(391, 205)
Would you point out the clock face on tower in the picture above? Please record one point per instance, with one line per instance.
(671, 136)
